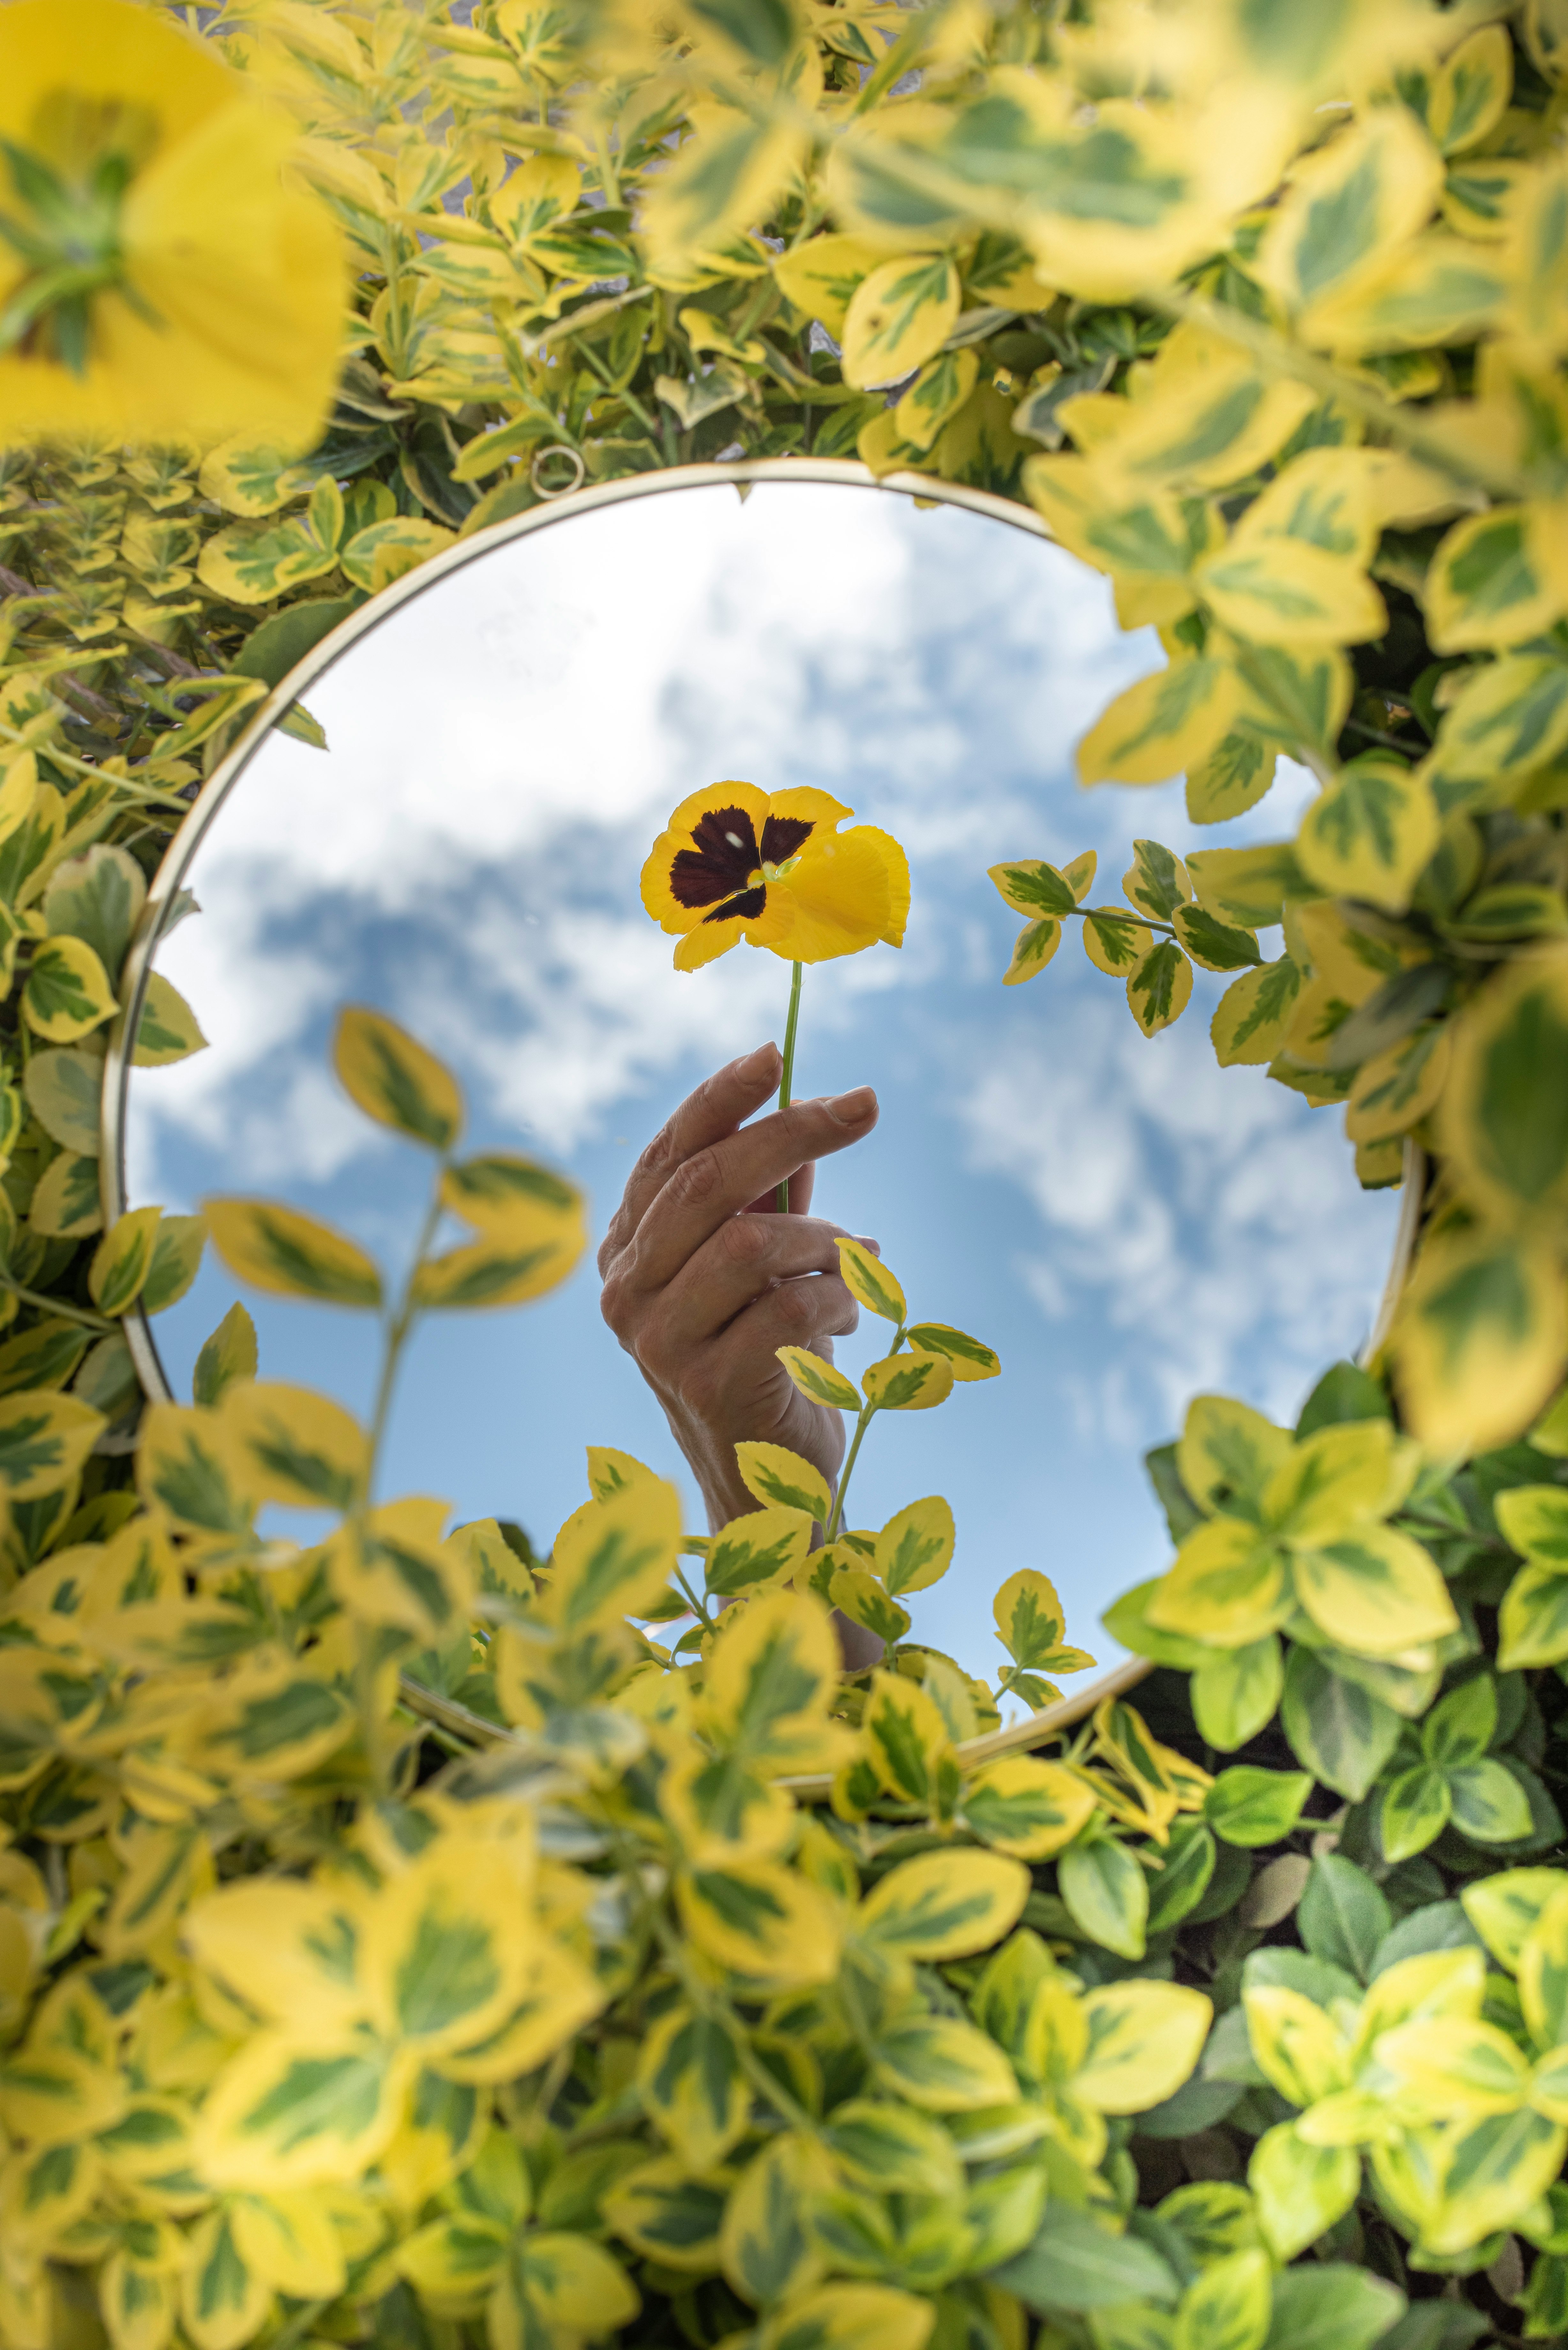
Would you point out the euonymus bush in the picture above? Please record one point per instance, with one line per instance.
(398, 1942)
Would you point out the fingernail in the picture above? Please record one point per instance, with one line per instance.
(850, 1107)
(865, 1241)
(754, 1063)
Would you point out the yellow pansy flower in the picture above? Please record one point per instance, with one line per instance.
(735, 863)
(157, 275)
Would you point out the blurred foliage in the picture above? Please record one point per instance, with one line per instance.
(398, 1941)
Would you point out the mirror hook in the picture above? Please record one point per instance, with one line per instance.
(557, 489)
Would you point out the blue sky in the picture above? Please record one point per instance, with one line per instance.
(1124, 1223)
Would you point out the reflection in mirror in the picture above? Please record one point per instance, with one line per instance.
(1124, 1221)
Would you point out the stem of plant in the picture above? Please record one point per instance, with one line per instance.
(861, 1426)
(780, 1197)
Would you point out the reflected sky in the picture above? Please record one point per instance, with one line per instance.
(1124, 1221)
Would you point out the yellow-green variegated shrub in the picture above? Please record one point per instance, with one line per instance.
(405, 1940)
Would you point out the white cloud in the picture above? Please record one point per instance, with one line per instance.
(1205, 1214)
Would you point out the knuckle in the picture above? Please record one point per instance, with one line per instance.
(794, 1306)
(744, 1239)
(656, 1155)
(693, 1181)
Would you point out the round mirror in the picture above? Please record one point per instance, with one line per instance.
(505, 734)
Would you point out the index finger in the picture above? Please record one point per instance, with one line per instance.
(719, 1104)
(716, 1182)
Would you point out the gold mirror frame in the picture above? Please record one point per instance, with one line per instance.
(1037, 1728)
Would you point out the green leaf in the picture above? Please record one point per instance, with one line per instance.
(1328, 2305)
(1415, 1811)
(177, 1249)
(1487, 1803)
(1074, 2265)
(64, 1090)
(1250, 1807)
(228, 1355)
(1235, 1690)
(1342, 1732)
(98, 897)
(1106, 1894)
(168, 1029)
(281, 641)
(1217, 946)
(1342, 1916)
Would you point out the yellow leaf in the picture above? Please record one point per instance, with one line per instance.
(780, 1479)
(820, 277)
(840, 2316)
(908, 1744)
(389, 1567)
(771, 1674)
(908, 1382)
(1493, 581)
(869, 1283)
(1228, 1589)
(817, 1380)
(1295, 2042)
(394, 1080)
(67, 993)
(286, 2112)
(1479, 1340)
(1500, 1126)
(1032, 950)
(1371, 834)
(1252, 1016)
(915, 1548)
(295, 1446)
(122, 1261)
(898, 317)
(1394, 1091)
(1026, 1807)
(1161, 725)
(944, 1905)
(1348, 204)
(612, 1559)
(1288, 591)
(501, 1270)
(1160, 987)
(444, 1946)
(761, 1920)
(282, 1946)
(1375, 1591)
(289, 2240)
(276, 1248)
(1144, 2040)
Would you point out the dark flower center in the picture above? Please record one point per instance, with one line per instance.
(717, 871)
(723, 860)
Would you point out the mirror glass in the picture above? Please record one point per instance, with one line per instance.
(1125, 1223)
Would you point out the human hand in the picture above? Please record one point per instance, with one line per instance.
(703, 1279)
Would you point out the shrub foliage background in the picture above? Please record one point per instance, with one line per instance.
(391, 1946)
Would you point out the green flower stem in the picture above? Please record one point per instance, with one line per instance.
(780, 1197)
(397, 1328)
(398, 1325)
(861, 1425)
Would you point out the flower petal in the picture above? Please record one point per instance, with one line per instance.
(848, 890)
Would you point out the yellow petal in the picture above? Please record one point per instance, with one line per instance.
(846, 891)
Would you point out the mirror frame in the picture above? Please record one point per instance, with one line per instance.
(1035, 1728)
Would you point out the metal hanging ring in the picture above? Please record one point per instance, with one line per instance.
(557, 489)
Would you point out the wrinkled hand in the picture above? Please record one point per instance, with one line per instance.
(702, 1279)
